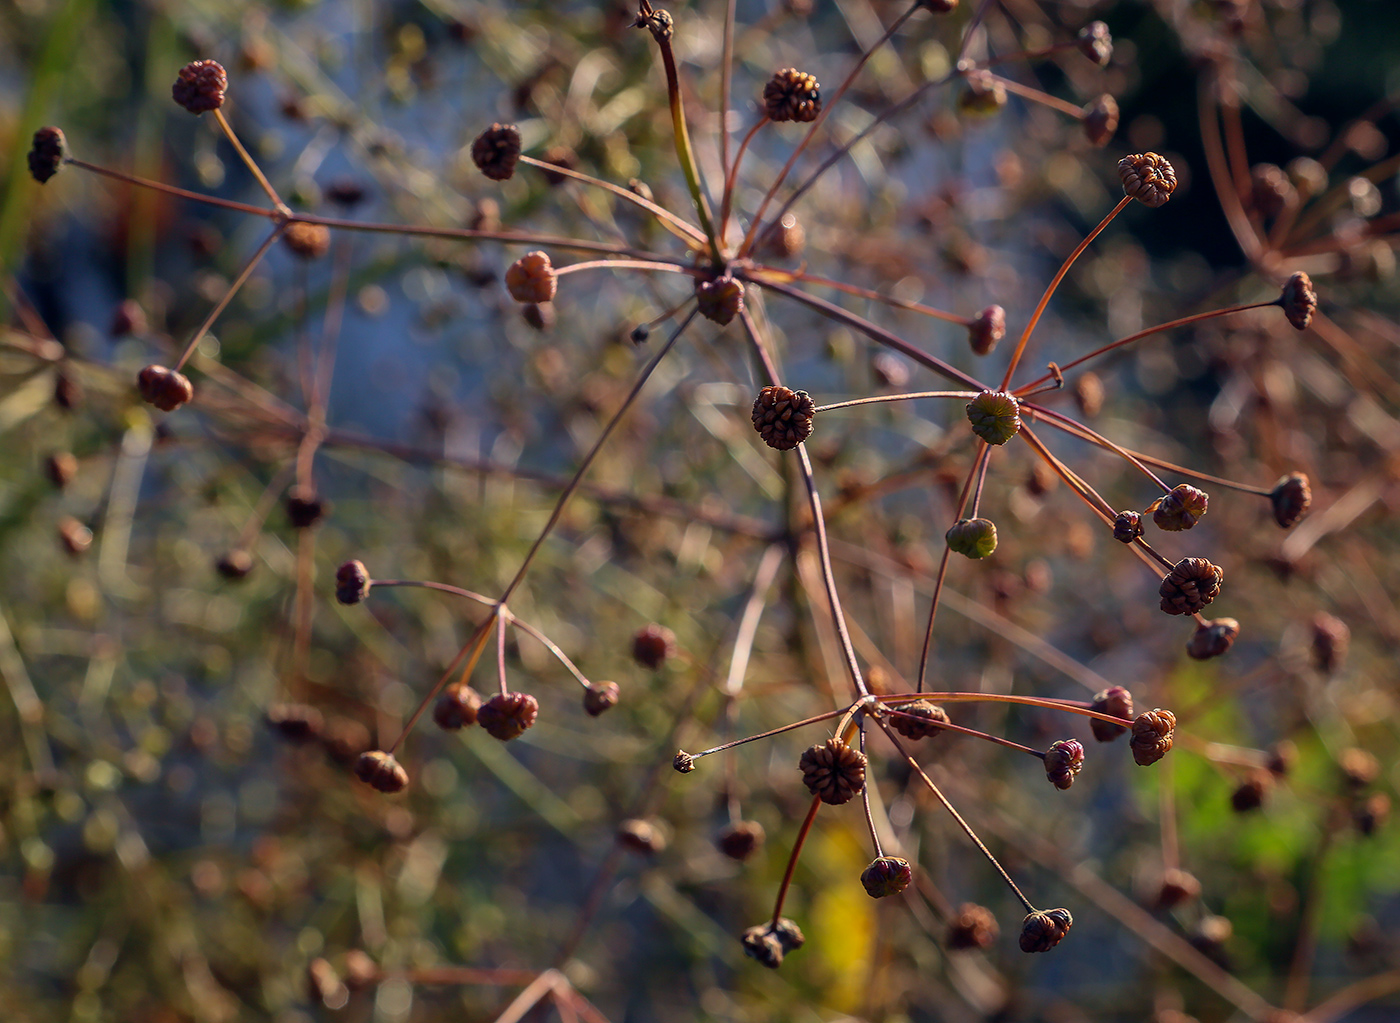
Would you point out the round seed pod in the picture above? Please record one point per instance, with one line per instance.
(641, 837)
(200, 86)
(987, 329)
(886, 875)
(652, 645)
(740, 840)
(506, 716)
(1299, 300)
(972, 538)
(600, 697)
(352, 582)
(1330, 640)
(785, 239)
(1371, 813)
(1212, 639)
(720, 299)
(496, 151)
(234, 564)
(1095, 41)
(1041, 931)
(995, 416)
(683, 762)
(46, 153)
(1100, 120)
(307, 241)
(1152, 736)
(1180, 509)
(345, 192)
(1114, 700)
(1127, 527)
(792, 95)
(1177, 887)
(1148, 178)
(1190, 586)
(760, 943)
(531, 278)
(1283, 755)
(381, 771)
(1291, 498)
(789, 935)
(783, 417)
(304, 507)
(833, 771)
(164, 388)
(295, 722)
(457, 707)
(972, 927)
(1063, 760)
(917, 720)
(1249, 794)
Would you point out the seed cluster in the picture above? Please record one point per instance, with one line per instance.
(783, 417)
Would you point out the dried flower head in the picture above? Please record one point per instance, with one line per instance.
(531, 278)
(783, 417)
(1152, 736)
(304, 507)
(1177, 887)
(1096, 42)
(886, 875)
(1148, 178)
(1212, 639)
(683, 762)
(972, 538)
(833, 771)
(1298, 300)
(457, 707)
(307, 241)
(1043, 930)
(918, 720)
(600, 697)
(1291, 498)
(641, 836)
(295, 722)
(792, 95)
(200, 86)
(1190, 586)
(1179, 509)
(234, 564)
(164, 388)
(496, 151)
(1100, 120)
(987, 329)
(46, 153)
(972, 927)
(352, 582)
(768, 943)
(1371, 813)
(720, 299)
(1114, 700)
(380, 770)
(652, 645)
(1063, 760)
(740, 840)
(1127, 527)
(995, 416)
(1249, 794)
(506, 716)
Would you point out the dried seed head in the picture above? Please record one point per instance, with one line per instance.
(127, 319)
(1088, 394)
(506, 716)
(1100, 120)
(783, 417)
(987, 329)
(768, 943)
(352, 582)
(531, 278)
(740, 840)
(1152, 736)
(344, 739)
(307, 241)
(995, 416)
(600, 697)
(972, 927)
(833, 771)
(60, 467)
(1041, 931)
(983, 94)
(918, 720)
(295, 722)
(1062, 762)
(658, 22)
(886, 875)
(1127, 527)
(304, 507)
(1359, 768)
(1282, 756)
(1177, 887)
(641, 836)
(1211, 933)
(1298, 300)
(1271, 190)
(1371, 813)
(640, 333)
(1096, 42)
(683, 762)
(1331, 637)
(496, 150)
(234, 564)
(46, 153)
(652, 645)
(1249, 794)
(200, 86)
(720, 300)
(1148, 178)
(792, 95)
(972, 538)
(75, 537)
(1114, 700)
(1212, 639)
(1291, 498)
(1179, 509)
(164, 388)
(380, 770)
(457, 707)
(1190, 586)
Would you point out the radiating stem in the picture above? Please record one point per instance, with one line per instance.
(250, 163)
(660, 212)
(982, 455)
(792, 859)
(865, 804)
(874, 296)
(880, 398)
(1061, 420)
(158, 186)
(727, 200)
(222, 304)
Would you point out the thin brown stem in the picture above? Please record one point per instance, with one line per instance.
(982, 455)
(726, 203)
(769, 734)
(627, 195)
(881, 398)
(233, 288)
(250, 163)
(626, 264)
(874, 296)
(158, 186)
(1037, 96)
(865, 805)
(802, 834)
(501, 654)
(468, 234)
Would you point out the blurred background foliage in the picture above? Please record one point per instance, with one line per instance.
(168, 856)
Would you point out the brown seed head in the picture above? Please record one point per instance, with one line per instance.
(496, 150)
(987, 329)
(1299, 300)
(769, 943)
(918, 720)
(352, 582)
(1359, 768)
(1249, 794)
(783, 417)
(1177, 887)
(304, 507)
(972, 927)
(1096, 42)
(1331, 638)
(995, 416)
(886, 875)
(1100, 120)
(1152, 736)
(1041, 930)
(1148, 178)
(740, 840)
(1088, 394)
(600, 697)
(1291, 498)
(506, 716)
(792, 95)
(972, 538)
(1179, 509)
(200, 86)
(1211, 639)
(295, 722)
(380, 770)
(1063, 760)
(641, 836)
(1191, 585)
(833, 771)
(531, 278)
(457, 707)
(346, 192)
(1127, 527)
(652, 645)
(683, 762)
(983, 94)
(785, 239)
(164, 388)
(307, 241)
(1282, 756)
(1114, 700)
(234, 564)
(46, 153)
(720, 300)
(1371, 813)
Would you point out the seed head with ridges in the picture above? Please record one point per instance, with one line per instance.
(600, 697)
(1114, 700)
(200, 86)
(1270, 189)
(164, 388)
(769, 943)
(719, 300)
(987, 329)
(1179, 509)
(496, 151)
(740, 840)
(304, 507)
(1095, 41)
(918, 720)
(1177, 887)
(783, 417)
(1148, 178)
(833, 771)
(972, 538)
(352, 582)
(506, 716)
(1127, 527)
(1152, 736)
(46, 153)
(531, 278)
(886, 875)
(792, 95)
(974, 926)
(307, 241)
(1043, 930)
(683, 762)
(1190, 586)
(1298, 300)
(1063, 760)
(457, 707)
(1249, 794)
(995, 416)
(381, 771)
(1100, 120)
(1212, 639)
(652, 645)
(1291, 498)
